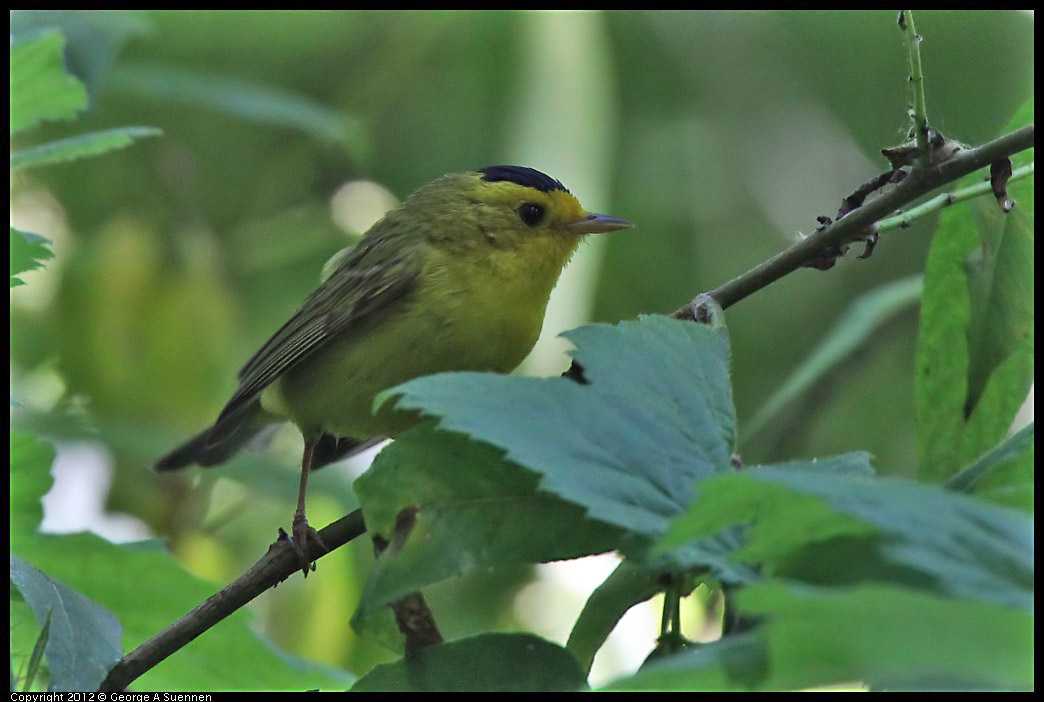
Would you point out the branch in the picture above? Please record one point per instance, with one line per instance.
(278, 564)
(849, 227)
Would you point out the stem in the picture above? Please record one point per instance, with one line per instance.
(676, 625)
(920, 109)
(939, 202)
(670, 621)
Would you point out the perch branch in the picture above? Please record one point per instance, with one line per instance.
(278, 564)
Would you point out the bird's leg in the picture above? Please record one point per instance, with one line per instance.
(303, 532)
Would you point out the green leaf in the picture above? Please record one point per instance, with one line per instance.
(942, 362)
(84, 638)
(857, 325)
(975, 348)
(81, 146)
(28, 252)
(41, 89)
(832, 528)
(1000, 277)
(245, 100)
(878, 634)
(655, 418)
(93, 39)
(30, 480)
(471, 509)
(484, 663)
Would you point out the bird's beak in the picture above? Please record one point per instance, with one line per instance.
(597, 223)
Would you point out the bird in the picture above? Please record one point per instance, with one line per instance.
(457, 278)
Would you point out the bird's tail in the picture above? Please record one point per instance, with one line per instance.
(202, 450)
(197, 450)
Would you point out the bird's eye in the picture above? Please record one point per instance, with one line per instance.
(531, 213)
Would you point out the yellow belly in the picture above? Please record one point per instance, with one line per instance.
(481, 319)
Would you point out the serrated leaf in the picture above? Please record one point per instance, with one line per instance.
(852, 329)
(655, 418)
(41, 89)
(878, 634)
(925, 535)
(28, 252)
(93, 39)
(245, 100)
(484, 663)
(82, 146)
(472, 509)
(84, 638)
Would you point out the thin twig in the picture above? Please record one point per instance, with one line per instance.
(919, 112)
(917, 184)
(940, 202)
(278, 564)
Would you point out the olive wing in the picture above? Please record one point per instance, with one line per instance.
(374, 275)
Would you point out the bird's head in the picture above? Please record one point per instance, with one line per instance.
(508, 207)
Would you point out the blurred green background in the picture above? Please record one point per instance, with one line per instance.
(721, 135)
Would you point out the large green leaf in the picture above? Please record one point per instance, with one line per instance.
(655, 417)
(41, 89)
(83, 640)
(484, 663)
(942, 347)
(829, 527)
(81, 146)
(878, 634)
(616, 458)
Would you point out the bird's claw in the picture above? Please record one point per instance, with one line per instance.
(303, 534)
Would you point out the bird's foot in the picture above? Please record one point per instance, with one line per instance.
(304, 534)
